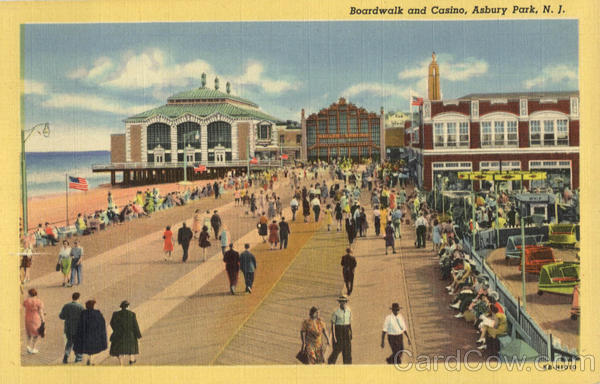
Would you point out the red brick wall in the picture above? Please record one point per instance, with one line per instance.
(463, 107)
(563, 106)
(574, 133)
(523, 134)
(486, 106)
(428, 133)
(475, 133)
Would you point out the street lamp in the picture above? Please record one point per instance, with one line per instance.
(41, 129)
(185, 135)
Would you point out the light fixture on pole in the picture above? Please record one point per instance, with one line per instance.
(44, 130)
(185, 135)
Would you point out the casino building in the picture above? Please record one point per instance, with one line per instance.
(343, 130)
(537, 131)
(201, 126)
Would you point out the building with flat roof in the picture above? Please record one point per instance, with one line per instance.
(343, 130)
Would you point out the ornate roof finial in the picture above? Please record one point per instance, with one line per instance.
(203, 80)
(216, 83)
(228, 88)
(433, 56)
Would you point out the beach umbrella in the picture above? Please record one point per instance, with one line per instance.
(254, 160)
(519, 349)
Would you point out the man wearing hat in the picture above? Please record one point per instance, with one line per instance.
(395, 328)
(348, 265)
(341, 332)
(126, 332)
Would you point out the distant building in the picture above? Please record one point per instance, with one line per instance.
(203, 125)
(290, 139)
(343, 130)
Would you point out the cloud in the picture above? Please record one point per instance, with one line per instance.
(450, 69)
(559, 73)
(254, 75)
(378, 89)
(33, 87)
(92, 103)
(151, 69)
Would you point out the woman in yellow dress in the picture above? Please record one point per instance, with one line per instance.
(312, 334)
(383, 220)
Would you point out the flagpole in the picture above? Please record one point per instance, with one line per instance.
(67, 194)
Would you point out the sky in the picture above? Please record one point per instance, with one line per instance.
(85, 79)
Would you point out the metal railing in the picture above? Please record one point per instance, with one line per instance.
(521, 323)
(225, 164)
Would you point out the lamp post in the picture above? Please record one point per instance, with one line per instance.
(25, 135)
(435, 187)
(444, 181)
(185, 135)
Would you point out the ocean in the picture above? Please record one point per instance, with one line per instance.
(46, 170)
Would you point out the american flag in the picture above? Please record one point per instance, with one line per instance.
(78, 183)
(417, 101)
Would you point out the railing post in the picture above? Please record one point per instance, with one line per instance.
(550, 348)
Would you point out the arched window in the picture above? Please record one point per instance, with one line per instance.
(189, 129)
(219, 133)
(158, 134)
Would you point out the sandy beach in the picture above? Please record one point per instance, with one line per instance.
(52, 208)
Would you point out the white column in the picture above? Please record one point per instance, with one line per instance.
(144, 149)
(204, 142)
(173, 134)
(252, 138)
(234, 142)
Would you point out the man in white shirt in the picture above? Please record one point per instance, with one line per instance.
(395, 327)
(421, 225)
(341, 332)
(316, 207)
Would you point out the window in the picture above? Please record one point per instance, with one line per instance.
(448, 135)
(375, 132)
(281, 139)
(463, 135)
(535, 137)
(311, 133)
(353, 125)
(512, 135)
(505, 133)
(549, 132)
(219, 133)
(189, 130)
(451, 134)
(364, 126)
(264, 131)
(486, 133)
(343, 124)
(322, 127)
(158, 134)
(298, 139)
(332, 124)
(438, 135)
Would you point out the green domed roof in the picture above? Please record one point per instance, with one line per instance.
(207, 94)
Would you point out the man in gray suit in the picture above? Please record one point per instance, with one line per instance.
(70, 313)
(248, 266)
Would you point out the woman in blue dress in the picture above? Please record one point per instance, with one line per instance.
(437, 235)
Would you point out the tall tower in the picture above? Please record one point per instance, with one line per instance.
(434, 79)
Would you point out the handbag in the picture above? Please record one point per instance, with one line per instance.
(302, 356)
(42, 329)
(57, 267)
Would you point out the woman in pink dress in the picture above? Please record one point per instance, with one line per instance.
(168, 245)
(34, 317)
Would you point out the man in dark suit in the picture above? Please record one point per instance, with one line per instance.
(284, 232)
(215, 222)
(216, 189)
(232, 266)
(248, 266)
(184, 235)
(348, 265)
(70, 313)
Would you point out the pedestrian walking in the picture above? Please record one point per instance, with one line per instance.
(397, 222)
(389, 238)
(184, 235)
(316, 207)
(215, 222)
(436, 235)
(71, 313)
(348, 265)
(339, 216)
(126, 332)
(203, 242)
(90, 338)
(314, 337)
(284, 233)
(34, 320)
(248, 267)
(225, 239)
(421, 229)
(64, 262)
(350, 230)
(168, 243)
(26, 262)
(262, 227)
(394, 327)
(306, 209)
(232, 266)
(294, 207)
(377, 220)
(273, 235)
(341, 332)
(327, 216)
(197, 223)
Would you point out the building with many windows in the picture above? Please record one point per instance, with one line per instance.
(498, 131)
(343, 130)
(201, 126)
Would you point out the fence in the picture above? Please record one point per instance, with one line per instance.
(522, 324)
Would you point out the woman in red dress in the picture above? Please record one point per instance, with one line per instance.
(34, 317)
(273, 234)
(168, 245)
